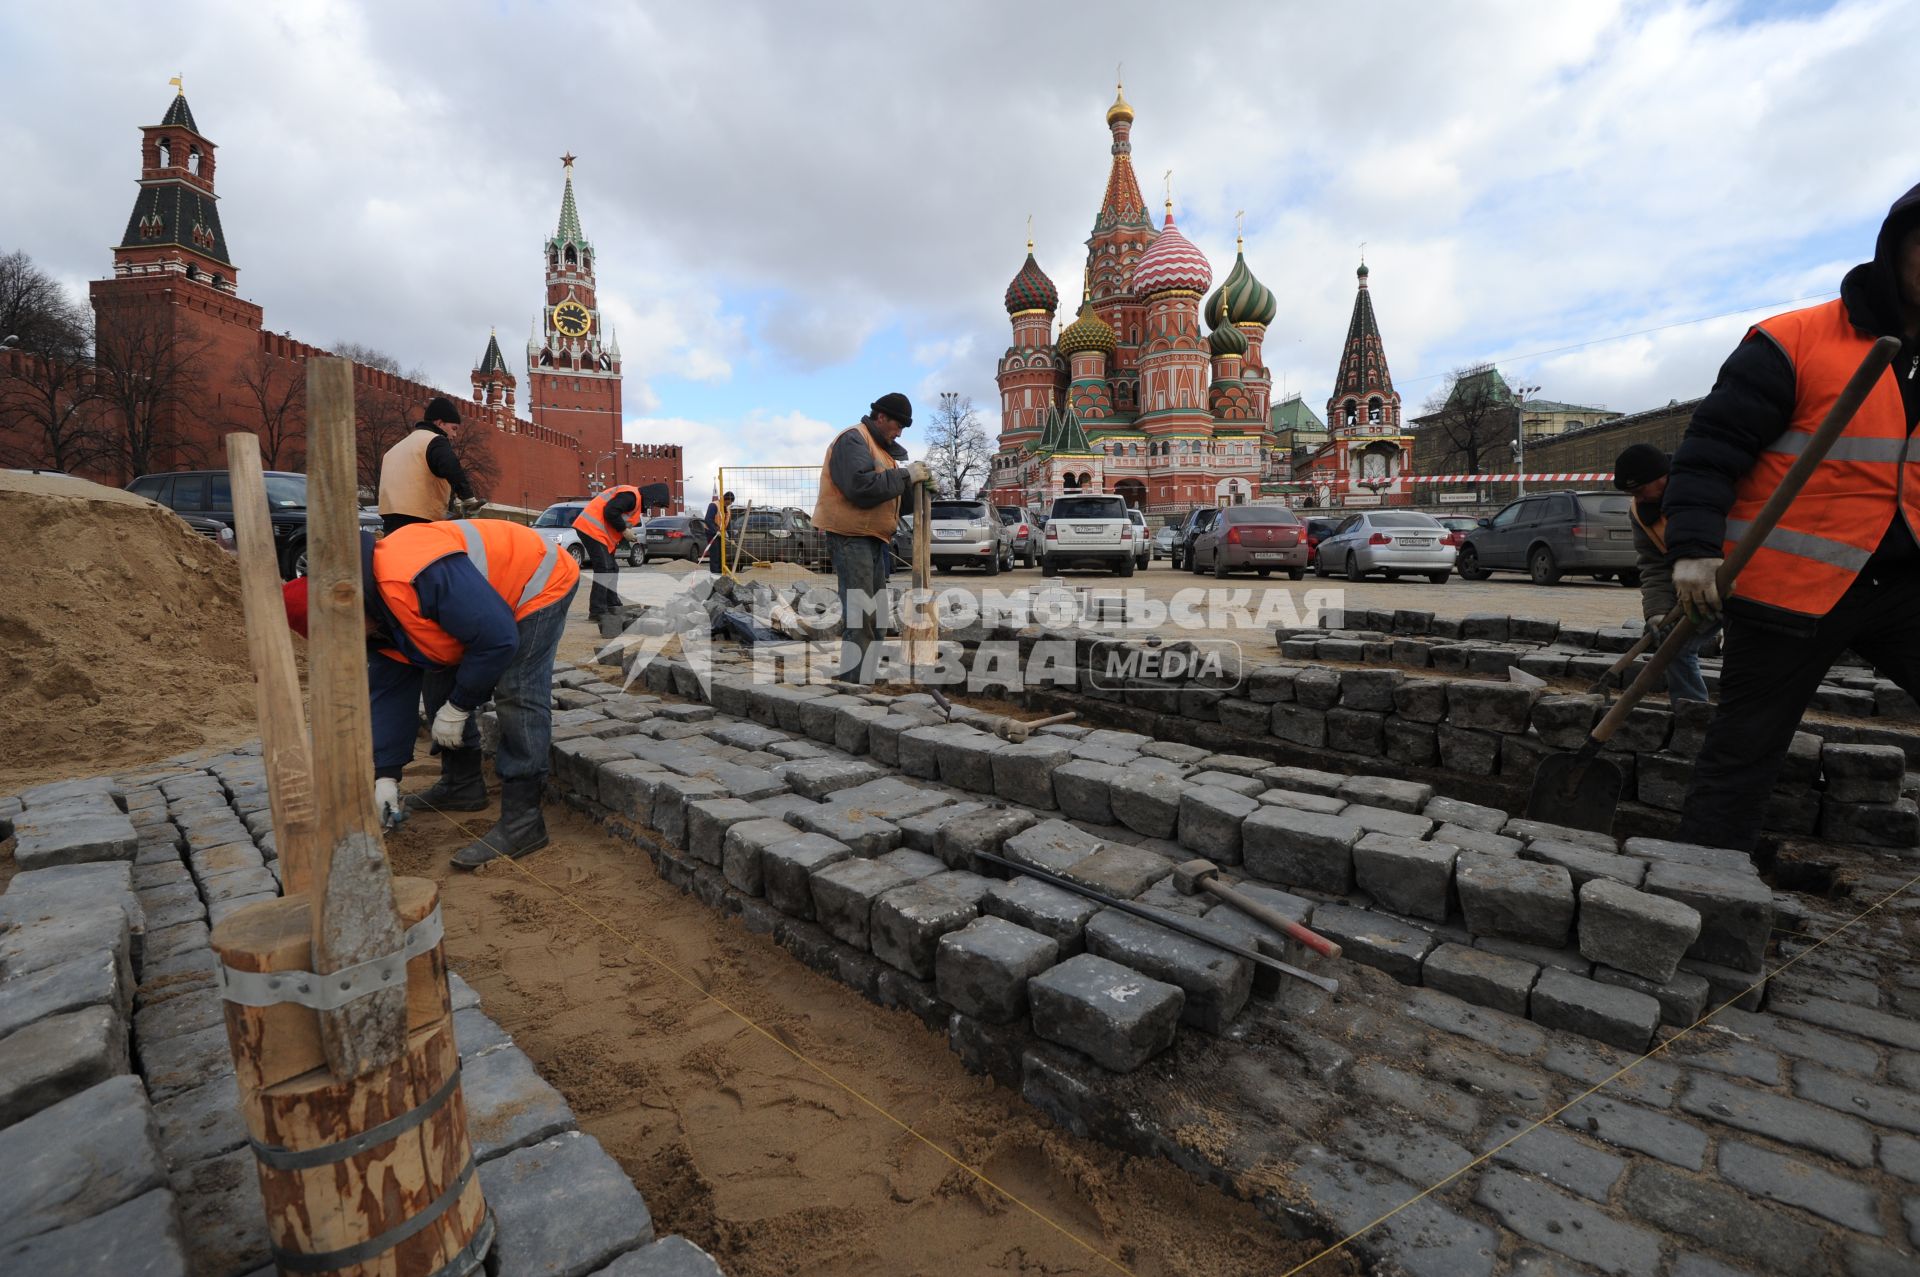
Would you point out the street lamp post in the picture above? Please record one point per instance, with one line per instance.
(1520, 394)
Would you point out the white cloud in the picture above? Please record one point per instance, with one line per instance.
(767, 454)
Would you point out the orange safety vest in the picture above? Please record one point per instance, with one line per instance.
(1852, 497)
(832, 512)
(593, 520)
(523, 567)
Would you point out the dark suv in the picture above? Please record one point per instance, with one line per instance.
(207, 494)
(1198, 520)
(1549, 534)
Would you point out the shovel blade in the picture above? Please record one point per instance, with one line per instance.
(1580, 792)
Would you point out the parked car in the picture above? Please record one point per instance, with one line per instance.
(1142, 541)
(672, 536)
(1163, 541)
(1318, 530)
(1457, 522)
(1198, 519)
(208, 494)
(968, 533)
(1084, 530)
(1395, 542)
(1548, 534)
(781, 535)
(1259, 538)
(1027, 530)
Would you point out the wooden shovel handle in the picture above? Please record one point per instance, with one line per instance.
(1273, 918)
(1852, 395)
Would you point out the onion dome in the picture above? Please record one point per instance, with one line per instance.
(1171, 262)
(1362, 272)
(1120, 110)
(1251, 301)
(1031, 289)
(1087, 333)
(1227, 339)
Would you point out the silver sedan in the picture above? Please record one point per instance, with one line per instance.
(1395, 542)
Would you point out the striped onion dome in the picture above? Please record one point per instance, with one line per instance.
(1227, 339)
(1089, 332)
(1171, 262)
(1251, 301)
(1031, 289)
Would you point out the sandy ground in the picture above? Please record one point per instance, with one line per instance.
(756, 1155)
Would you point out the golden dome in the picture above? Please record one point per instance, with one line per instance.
(1119, 110)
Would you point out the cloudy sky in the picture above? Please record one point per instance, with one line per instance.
(799, 206)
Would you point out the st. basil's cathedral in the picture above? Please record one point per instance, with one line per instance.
(1135, 398)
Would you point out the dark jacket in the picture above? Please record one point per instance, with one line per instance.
(1752, 402)
(616, 510)
(444, 463)
(850, 466)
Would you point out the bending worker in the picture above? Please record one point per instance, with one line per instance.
(1842, 569)
(1641, 473)
(421, 473)
(459, 613)
(603, 529)
(861, 484)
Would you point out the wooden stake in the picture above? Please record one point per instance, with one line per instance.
(353, 915)
(276, 683)
(919, 624)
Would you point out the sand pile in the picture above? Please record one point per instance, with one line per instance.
(121, 637)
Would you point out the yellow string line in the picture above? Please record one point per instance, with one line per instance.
(1621, 1071)
(636, 947)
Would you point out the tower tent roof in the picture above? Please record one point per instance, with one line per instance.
(179, 114)
(1122, 204)
(1363, 360)
(1064, 433)
(569, 231)
(493, 361)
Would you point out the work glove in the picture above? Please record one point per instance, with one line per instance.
(386, 795)
(917, 472)
(450, 726)
(1694, 584)
(470, 507)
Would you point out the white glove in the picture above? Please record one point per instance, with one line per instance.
(1693, 583)
(386, 795)
(917, 472)
(450, 727)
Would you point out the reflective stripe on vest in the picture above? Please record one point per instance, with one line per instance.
(597, 526)
(526, 578)
(1830, 531)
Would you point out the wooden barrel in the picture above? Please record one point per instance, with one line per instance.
(362, 1177)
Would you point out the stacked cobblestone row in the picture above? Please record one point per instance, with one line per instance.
(120, 1125)
(1569, 927)
(1489, 642)
(846, 828)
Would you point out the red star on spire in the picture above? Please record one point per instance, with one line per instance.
(567, 159)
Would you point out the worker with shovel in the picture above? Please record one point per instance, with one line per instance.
(1641, 473)
(459, 613)
(1842, 568)
(861, 483)
(602, 526)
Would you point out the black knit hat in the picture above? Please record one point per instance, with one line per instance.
(1641, 463)
(440, 408)
(895, 405)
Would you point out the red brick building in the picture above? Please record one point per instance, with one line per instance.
(175, 283)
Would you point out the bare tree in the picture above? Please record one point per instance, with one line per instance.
(1466, 423)
(958, 451)
(382, 422)
(148, 375)
(35, 309)
(473, 444)
(273, 404)
(372, 357)
(49, 411)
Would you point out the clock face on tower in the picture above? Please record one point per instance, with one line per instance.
(573, 319)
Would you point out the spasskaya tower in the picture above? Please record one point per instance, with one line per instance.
(573, 359)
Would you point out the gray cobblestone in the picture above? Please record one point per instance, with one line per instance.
(1216, 983)
(1567, 1225)
(564, 1208)
(1407, 875)
(1425, 1239)
(1485, 1025)
(1631, 1127)
(1517, 899)
(1867, 1023)
(1419, 1097)
(1384, 943)
(1736, 911)
(1482, 977)
(1635, 931)
(1792, 1122)
(1117, 1017)
(1849, 1093)
(86, 1154)
(1556, 1157)
(1797, 1183)
(1724, 1220)
(907, 923)
(1621, 1017)
(1301, 849)
(1059, 915)
(139, 1236)
(1682, 999)
(982, 969)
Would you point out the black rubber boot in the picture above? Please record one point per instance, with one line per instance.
(461, 787)
(520, 830)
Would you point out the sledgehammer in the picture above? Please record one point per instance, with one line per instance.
(1196, 876)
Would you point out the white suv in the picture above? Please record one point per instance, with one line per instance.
(969, 534)
(1089, 530)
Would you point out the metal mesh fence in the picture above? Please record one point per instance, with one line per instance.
(770, 519)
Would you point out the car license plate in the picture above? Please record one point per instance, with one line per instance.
(1264, 554)
(1619, 534)
(946, 534)
(1087, 529)
(1418, 543)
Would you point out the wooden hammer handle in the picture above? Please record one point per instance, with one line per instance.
(1273, 918)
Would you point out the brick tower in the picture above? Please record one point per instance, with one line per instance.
(1122, 231)
(1029, 371)
(174, 229)
(1170, 278)
(1363, 395)
(492, 383)
(573, 362)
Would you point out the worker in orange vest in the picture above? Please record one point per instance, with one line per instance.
(858, 507)
(459, 613)
(602, 526)
(1842, 569)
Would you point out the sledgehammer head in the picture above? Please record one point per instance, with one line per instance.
(1188, 877)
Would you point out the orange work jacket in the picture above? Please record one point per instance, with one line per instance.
(528, 571)
(593, 520)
